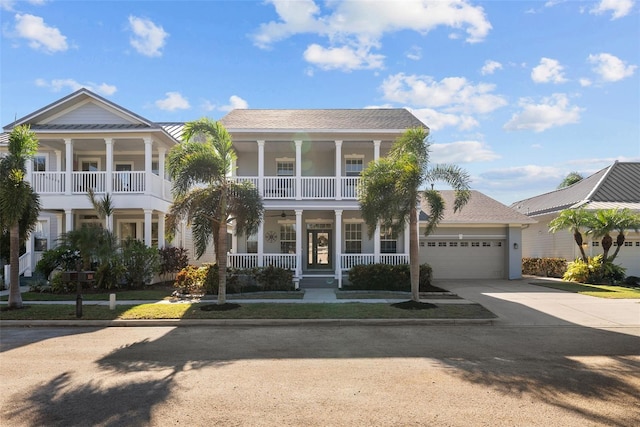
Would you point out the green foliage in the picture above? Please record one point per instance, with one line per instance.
(570, 179)
(191, 280)
(594, 271)
(385, 277)
(140, 263)
(274, 279)
(172, 259)
(546, 267)
(58, 286)
(62, 257)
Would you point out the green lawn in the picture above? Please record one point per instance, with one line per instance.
(600, 291)
(147, 295)
(248, 311)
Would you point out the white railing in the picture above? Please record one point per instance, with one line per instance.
(349, 187)
(287, 261)
(394, 259)
(349, 260)
(83, 181)
(48, 182)
(252, 179)
(131, 182)
(242, 260)
(279, 188)
(318, 187)
(24, 267)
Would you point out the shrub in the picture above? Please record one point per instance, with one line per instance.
(546, 267)
(140, 263)
(632, 281)
(593, 271)
(172, 260)
(274, 279)
(250, 280)
(386, 277)
(190, 280)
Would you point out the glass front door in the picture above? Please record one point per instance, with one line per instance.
(319, 249)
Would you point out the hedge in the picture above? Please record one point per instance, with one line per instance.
(385, 277)
(545, 267)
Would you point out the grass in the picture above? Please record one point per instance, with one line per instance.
(146, 295)
(248, 311)
(600, 291)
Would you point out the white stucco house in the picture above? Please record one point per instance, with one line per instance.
(616, 186)
(305, 164)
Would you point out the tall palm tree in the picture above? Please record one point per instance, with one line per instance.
(19, 204)
(390, 193)
(204, 194)
(104, 208)
(574, 220)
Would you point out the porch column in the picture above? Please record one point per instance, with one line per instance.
(299, 238)
(68, 223)
(68, 167)
(108, 142)
(407, 236)
(260, 170)
(298, 170)
(376, 150)
(234, 240)
(261, 244)
(58, 160)
(338, 246)
(376, 245)
(162, 153)
(29, 167)
(148, 146)
(147, 227)
(161, 218)
(338, 170)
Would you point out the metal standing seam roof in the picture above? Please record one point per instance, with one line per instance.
(481, 209)
(323, 119)
(615, 185)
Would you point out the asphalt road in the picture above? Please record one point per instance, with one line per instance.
(320, 375)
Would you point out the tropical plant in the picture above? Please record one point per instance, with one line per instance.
(104, 208)
(574, 220)
(19, 204)
(140, 262)
(570, 179)
(87, 240)
(624, 219)
(204, 194)
(390, 192)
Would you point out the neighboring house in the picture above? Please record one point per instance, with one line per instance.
(306, 165)
(616, 186)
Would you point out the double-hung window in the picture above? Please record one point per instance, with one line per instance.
(353, 238)
(287, 238)
(388, 242)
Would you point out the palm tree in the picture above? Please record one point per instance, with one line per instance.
(574, 220)
(605, 222)
(625, 219)
(204, 194)
(104, 208)
(390, 193)
(19, 204)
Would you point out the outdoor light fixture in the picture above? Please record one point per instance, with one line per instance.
(515, 246)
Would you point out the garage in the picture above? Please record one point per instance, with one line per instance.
(464, 259)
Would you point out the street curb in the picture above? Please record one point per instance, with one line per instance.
(246, 322)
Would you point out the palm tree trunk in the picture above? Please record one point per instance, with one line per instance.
(619, 242)
(577, 236)
(222, 262)
(15, 297)
(414, 261)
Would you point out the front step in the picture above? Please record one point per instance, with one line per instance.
(318, 282)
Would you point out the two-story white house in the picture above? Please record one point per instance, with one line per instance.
(306, 165)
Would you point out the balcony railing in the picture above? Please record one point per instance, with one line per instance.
(316, 187)
(133, 182)
(81, 182)
(287, 261)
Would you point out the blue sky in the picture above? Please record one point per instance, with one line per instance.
(518, 93)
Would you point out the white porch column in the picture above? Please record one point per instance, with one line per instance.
(299, 238)
(162, 153)
(68, 167)
(234, 240)
(108, 142)
(261, 244)
(29, 167)
(338, 246)
(376, 245)
(147, 227)
(161, 218)
(260, 170)
(338, 170)
(68, 220)
(148, 146)
(298, 170)
(407, 235)
(376, 150)
(58, 160)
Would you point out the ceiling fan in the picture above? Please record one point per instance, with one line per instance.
(283, 214)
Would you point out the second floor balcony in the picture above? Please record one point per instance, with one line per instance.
(305, 188)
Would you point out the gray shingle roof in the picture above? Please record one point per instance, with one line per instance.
(481, 209)
(340, 119)
(615, 185)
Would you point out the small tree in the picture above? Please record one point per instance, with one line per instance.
(570, 179)
(575, 220)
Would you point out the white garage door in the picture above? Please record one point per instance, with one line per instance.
(464, 259)
(629, 257)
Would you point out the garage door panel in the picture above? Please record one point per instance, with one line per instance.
(465, 260)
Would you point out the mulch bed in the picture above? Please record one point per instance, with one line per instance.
(413, 305)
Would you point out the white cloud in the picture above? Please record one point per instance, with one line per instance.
(358, 26)
(40, 35)
(584, 82)
(619, 8)
(57, 85)
(8, 5)
(551, 112)
(437, 120)
(415, 53)
(611, 68)
(342, 58)
(453, 94)
(235, 103)
(173, 101)
(549, 70)
(148, 38)
(462, 152)
(490, 67)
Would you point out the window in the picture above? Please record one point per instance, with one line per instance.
(285, 168)
(637, 243)
(442, 244)
(388, 242)
(353, 238)
(464, 244)
(628, 243)
(486, 244)
(353, 167)
(40, 163)
(475, 244)
(431, 244)
(497, 244)
(287, 238)
(453, 244)
(595, 244)
(252, 244)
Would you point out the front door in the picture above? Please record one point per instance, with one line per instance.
(319, 249)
